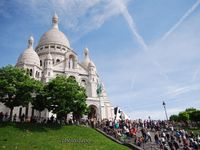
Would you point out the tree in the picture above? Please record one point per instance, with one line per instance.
(195, 116)
(27, 90)
(183, 116)
(65, 96)
(40, 101)
(190, 109)
(16, 87)
(174, 118)
(79, 104)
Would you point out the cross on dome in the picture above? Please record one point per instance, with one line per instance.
(86, 52)
(55, 21)
(30, 42)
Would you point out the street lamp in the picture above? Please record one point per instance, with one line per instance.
(164, 105)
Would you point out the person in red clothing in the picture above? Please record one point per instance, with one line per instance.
(133, 132)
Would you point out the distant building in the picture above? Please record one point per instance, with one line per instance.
(53, 56)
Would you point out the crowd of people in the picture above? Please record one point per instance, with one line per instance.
(4, 117)
(162, 134)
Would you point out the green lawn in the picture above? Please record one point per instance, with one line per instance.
(49, 137)
(195, 131)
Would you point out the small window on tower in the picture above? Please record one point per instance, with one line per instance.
(48, 73)
(52, 46)
(58, 60)
(40, 62)
(31, 72)
(46, 47)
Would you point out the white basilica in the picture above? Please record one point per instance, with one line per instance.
(53, 56)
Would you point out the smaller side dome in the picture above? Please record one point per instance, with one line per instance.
(29, 56)
(86, 60)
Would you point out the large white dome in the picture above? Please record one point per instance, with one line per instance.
(54, 35)
(29, 56)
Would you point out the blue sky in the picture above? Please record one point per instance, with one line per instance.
(145, 51)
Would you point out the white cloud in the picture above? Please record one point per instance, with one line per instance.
(154, 114)
(176, 91)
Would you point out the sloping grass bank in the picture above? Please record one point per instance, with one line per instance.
(25, 136)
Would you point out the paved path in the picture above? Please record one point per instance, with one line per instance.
(149, 145)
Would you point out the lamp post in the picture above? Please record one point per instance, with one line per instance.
(164, 105)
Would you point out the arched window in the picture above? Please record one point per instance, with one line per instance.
(72, 77)
(83, 82)
(46, 47)
(37, 74)
(57, 60)
(92, 112)
(31, 72)
(40, 62)
(71, 62)
(53, 61)
(52, 46)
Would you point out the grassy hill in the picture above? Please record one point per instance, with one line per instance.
(49, 137)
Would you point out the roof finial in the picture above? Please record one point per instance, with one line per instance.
(86, 52)
(30, 42)
(55, 21)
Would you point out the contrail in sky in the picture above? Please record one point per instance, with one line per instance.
(131, 23)
(191, 10)
(132, 26)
